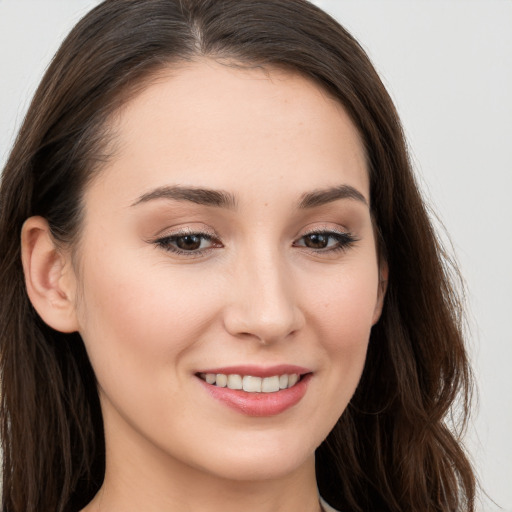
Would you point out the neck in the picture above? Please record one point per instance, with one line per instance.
(193, 491)
(140, 476)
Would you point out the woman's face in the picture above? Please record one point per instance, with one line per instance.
(229, 235)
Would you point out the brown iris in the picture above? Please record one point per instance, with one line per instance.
(316, 241)
(188, 242)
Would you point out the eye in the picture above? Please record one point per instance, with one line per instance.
(326, 241)
(188, 243)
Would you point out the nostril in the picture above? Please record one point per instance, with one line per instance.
(267, 315)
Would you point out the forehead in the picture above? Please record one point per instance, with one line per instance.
(209, 124)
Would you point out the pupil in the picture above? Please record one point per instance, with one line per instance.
(189, 242)
(316, 241)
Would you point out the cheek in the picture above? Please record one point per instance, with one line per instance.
(344, 317)
(136, 317)
(347, 303)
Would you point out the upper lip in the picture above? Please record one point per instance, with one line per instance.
(258, 371)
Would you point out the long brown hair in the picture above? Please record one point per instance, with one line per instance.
(391, 450)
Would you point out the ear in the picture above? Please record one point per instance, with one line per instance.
(49, 276)
(381, 293)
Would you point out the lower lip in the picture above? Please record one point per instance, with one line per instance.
(259, 404)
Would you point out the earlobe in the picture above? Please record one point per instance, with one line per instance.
(381, 293)
(49, 276)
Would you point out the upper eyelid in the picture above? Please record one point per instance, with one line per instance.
(213, 235)
(345, 237)
(165, 242)
(186, 231)
(173, 236)
(326, 231)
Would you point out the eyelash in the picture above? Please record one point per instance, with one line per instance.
(167, 241)
(344, 240)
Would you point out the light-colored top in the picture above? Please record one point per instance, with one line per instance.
(325, 506)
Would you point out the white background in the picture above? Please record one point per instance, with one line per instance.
(448, 66)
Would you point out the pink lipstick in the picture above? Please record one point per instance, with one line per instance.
(255, 390)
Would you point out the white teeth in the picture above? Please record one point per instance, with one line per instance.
(270, 384)
(292, 379)
(221, 380)
(234, 382)
(252, 384)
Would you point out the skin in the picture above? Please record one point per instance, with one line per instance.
(255, 294)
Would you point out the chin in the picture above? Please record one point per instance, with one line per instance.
(260, 462)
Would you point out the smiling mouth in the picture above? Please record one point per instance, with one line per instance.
(251, 384)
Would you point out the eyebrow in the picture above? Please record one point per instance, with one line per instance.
(329, 195)
(203, 196)
(223, 199)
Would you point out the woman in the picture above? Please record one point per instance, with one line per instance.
(227, 294)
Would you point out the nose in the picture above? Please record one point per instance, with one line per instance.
(263, 302)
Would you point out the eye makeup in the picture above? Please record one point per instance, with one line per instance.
(189, 243)
(196, 243)
(326, 241)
